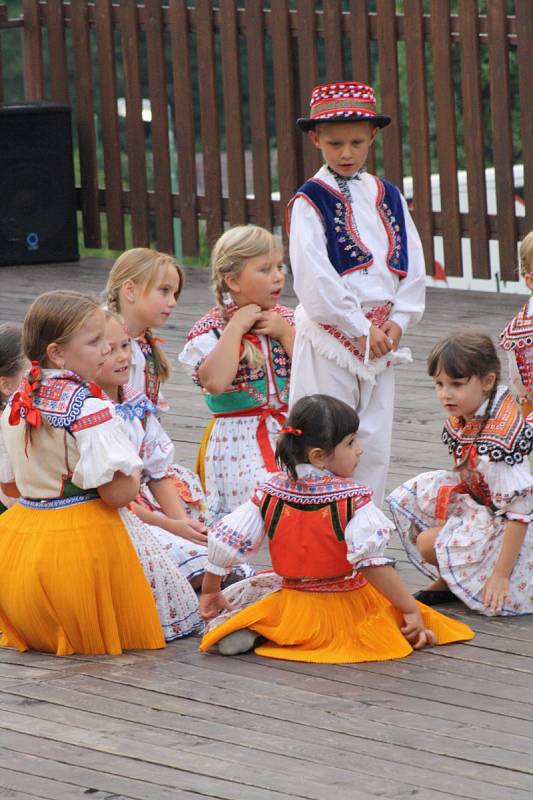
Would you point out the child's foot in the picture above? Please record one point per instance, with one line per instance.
(237, 642)
(436, 594)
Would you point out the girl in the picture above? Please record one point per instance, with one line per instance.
(239, 353)
(71, 580)
(12, 365)
(470, 529)
(144, 286)
(182, 537)
(517, 337)
(333, 595)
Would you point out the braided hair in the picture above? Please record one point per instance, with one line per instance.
(463, 354)
(230, 254)
(141, 265)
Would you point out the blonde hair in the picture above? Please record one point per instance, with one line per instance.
(53, 317)
(526, 254)
(229, 256)
(141, 265)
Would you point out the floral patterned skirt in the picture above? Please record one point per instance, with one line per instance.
(467, 546)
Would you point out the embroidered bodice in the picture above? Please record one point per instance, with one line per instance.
(517, 339)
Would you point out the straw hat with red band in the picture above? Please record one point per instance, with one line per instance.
(348, 101)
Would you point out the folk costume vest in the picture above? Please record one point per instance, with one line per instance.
(305, 522)
(152, 381)
(505, 437)
(346, 251)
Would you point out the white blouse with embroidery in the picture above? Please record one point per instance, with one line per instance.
(334, 300)
(150, 440)
(236, 537)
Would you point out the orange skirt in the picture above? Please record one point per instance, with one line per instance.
(71, 582)
(333, 628)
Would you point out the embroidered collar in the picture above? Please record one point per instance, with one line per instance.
(505, 437)
(518, 334)
(134, 404)
(59, 397)
(213, 319)
(315, 487)
(337, 176)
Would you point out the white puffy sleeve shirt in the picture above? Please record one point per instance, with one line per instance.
(334, 300)
(104, 447)
(511, 488)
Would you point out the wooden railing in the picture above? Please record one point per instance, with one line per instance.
(226, 83)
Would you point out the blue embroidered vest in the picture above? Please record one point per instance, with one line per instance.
(346, 251)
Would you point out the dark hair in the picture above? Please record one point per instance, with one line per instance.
(324, 421)
(11, 353)
(463, 354)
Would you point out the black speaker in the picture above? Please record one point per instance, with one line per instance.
(37, 189)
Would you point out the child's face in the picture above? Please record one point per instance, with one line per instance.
(116, 368)
(461, 397)
(344, 145)
(152, 308)
(345, 458)
(85, 352)
(260, 281)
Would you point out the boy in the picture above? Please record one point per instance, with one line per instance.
(358, 270)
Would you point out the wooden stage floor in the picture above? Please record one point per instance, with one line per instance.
(452, 722)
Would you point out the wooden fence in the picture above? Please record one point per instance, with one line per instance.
(225, 82)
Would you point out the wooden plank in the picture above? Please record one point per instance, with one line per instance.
(419, 127)
(443, 93)
(155, 43)
(134, 123)
(257, 92)
(360, 37)
(233, 111)
(32, 51)
(184, 125)
(57, 52)
(284, 93)
(209, 119)
(85, 124)
(333, 39)
(502, 136)
(390, 90)
(110, 128)
(524, 25)
(307, 77)
(474, 139)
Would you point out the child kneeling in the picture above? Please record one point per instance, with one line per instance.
(332, 596)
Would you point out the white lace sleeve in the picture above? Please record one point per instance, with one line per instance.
(6, 470)
(157, 450)
(234, 538)
(196, 350)
(367, 536)
(103, 444)
(511, 488)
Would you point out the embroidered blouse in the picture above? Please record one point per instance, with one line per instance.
(496, 472)
(517, 340)
(82, 446)
(336, 300)
(240, 534)
(146, 433)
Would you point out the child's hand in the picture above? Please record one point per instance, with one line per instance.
(496, 593)
(393, 331)
(245, 318)
(190, 529)
(212, 603)
(416, 633)
(380, 343)
(270, 323)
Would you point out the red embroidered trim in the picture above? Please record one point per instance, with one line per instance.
(377, 316)
(91, 420)
(337, 584)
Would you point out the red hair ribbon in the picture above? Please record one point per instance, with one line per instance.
(253, 339)
(291, 430)
(95, 390)
(22, 406)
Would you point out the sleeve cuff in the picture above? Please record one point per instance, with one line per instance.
(222, 571)
(377, 561)
(401, 318)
